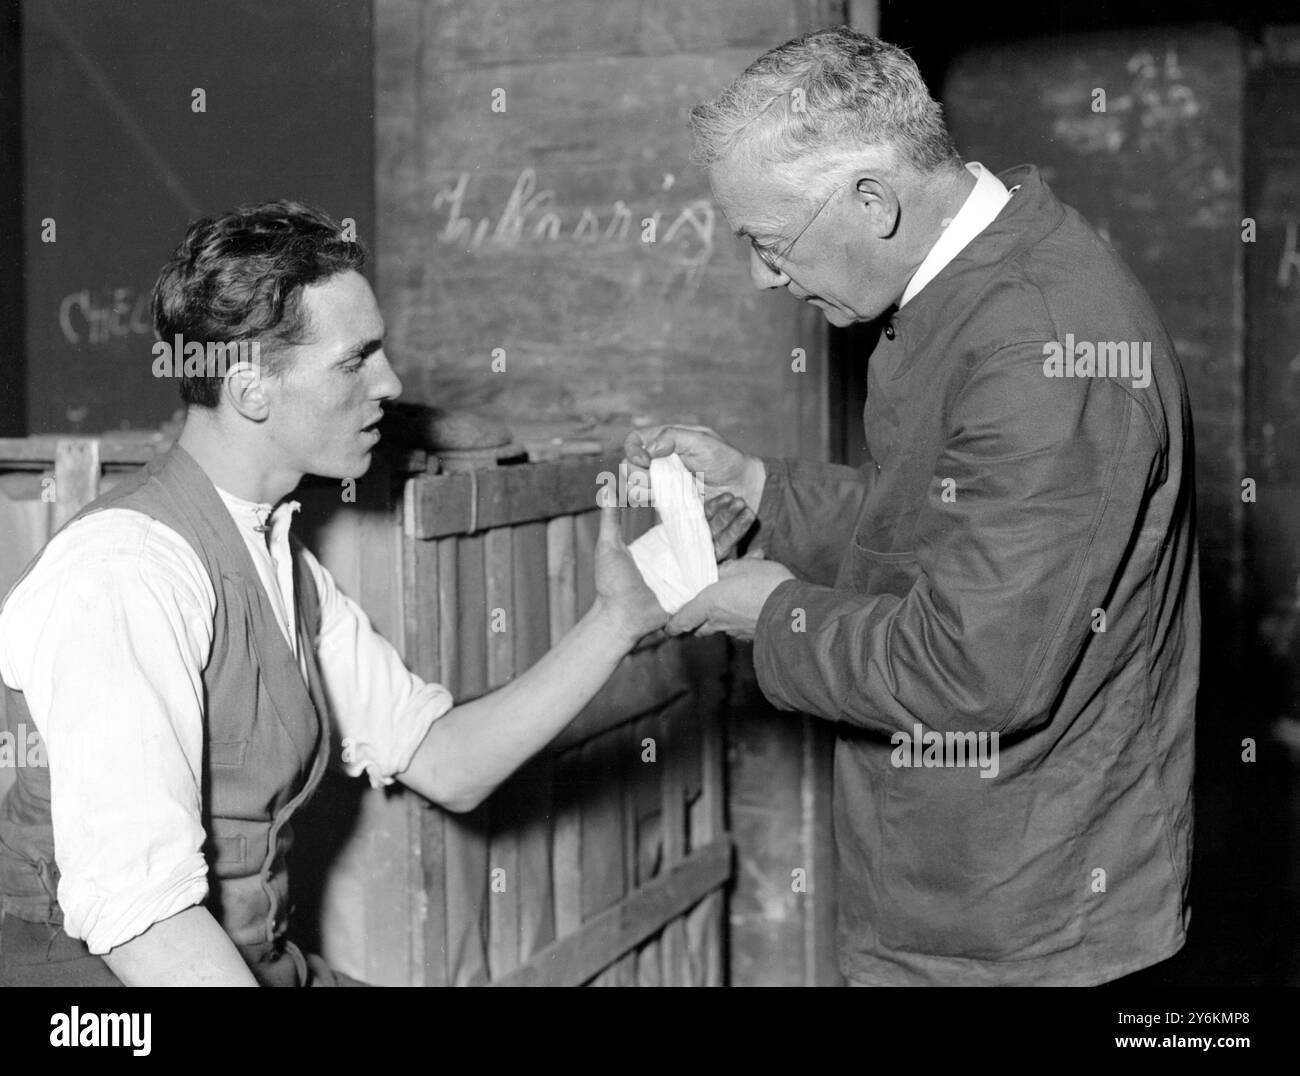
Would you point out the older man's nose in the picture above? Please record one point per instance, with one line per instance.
(763, 275)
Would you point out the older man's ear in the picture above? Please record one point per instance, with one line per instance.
(880, 200)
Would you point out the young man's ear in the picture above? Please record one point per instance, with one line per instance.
(245, 388)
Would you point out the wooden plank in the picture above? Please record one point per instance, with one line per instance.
(24, 525)
(502, 621)
(420, 608)
(566, 841)
(649, 969)
(626, 773)
(421, 612)
(561, 576)
(713, 795)
(394, 920)
(463, 640)
(575, 959)
(449, 615)
(437, 843)
(76, 477)
(503, 855)
(675, 954)
(623, 970)
(703, 926)
(602, 823)
(645, 800)
(518, 493)
(707, 659)
(471, 603)
(532, 640)
(135, 448)
(691, 732)
(432, 912)
(586, 526)
(467, 880)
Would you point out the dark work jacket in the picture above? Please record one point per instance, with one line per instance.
(265, 750)
(1018, 557)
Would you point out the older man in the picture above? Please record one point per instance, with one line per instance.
(1000, 610)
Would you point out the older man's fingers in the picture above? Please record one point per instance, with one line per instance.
(653, 441)
(690, 616)
(729, 521)
(634, 445)
(736, 530)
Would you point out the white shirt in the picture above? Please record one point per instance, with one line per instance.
(982, 205)
(107, 638)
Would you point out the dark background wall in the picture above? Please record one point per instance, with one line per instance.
(115, 154)
(13, 366)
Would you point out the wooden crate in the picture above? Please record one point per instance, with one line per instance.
(603, 861)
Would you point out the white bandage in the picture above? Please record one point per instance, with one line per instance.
(675, 557)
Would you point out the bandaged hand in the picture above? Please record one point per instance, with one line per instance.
(620, 587)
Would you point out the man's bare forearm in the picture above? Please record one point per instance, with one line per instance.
(471, 749)
(189, 949)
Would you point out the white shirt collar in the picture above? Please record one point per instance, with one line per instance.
(253, 517)
(982, 205)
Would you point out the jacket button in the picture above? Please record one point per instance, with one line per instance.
(889, 331)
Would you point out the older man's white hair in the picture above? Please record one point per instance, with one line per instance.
(812, 100)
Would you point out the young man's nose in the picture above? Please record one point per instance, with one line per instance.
(387, 384)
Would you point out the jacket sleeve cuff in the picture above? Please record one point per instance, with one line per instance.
(780, 636)
(771, 510)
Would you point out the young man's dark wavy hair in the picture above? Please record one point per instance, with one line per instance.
(240, 276)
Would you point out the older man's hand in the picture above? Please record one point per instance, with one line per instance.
(733, 603)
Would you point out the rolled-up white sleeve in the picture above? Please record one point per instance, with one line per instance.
(107, 638)
(382, 710)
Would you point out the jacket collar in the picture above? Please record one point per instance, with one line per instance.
(1032, 213)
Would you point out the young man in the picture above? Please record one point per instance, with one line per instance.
(180, 653)
(1000, 609)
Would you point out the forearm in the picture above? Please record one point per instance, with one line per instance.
(807, 513)
(473, 748)
(188, 949)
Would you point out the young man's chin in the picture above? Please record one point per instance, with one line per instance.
(341, 470)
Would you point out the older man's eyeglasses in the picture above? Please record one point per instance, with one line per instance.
(770, 258)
